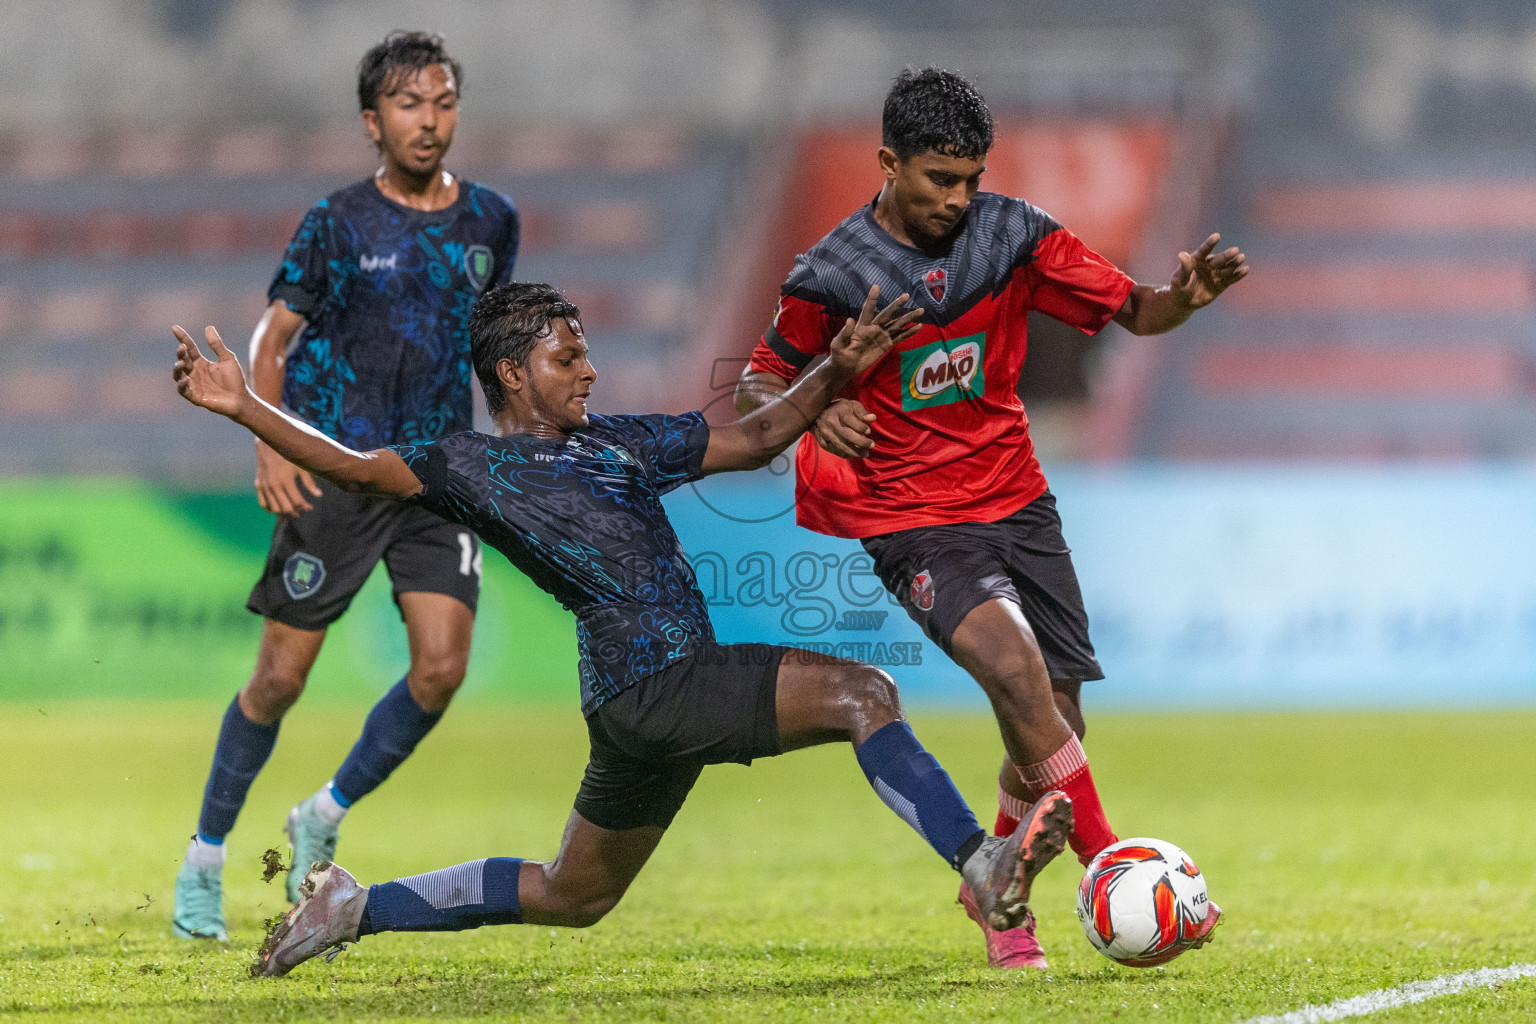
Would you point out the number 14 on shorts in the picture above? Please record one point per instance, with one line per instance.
(469, 555)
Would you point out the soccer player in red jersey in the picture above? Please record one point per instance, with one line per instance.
(929, 462)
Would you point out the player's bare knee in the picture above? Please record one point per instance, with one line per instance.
(1018, 680)
(870, 694)
(273, 690)
(435, 678)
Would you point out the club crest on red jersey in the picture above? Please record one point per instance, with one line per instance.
(935, 283)
(922, 590)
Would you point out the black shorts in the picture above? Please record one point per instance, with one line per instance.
(320, 560)
(940, 573)
(650, 742)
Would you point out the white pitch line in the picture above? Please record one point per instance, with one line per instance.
(1402, 995)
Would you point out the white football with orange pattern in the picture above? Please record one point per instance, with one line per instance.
(1142, 902)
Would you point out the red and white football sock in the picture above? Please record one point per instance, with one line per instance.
(1010, 811)
(1067, 770)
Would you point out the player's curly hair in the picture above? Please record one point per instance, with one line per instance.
(505, 323)
(399, 57)
(937, 110)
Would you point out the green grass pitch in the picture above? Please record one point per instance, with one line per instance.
(1350, 852)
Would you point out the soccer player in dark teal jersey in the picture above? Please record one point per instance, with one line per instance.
(574, 502)
(366, 339)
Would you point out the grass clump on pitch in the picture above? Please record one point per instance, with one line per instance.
(1350, 852)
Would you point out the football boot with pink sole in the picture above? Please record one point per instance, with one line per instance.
(998, 877)
(1014, 949)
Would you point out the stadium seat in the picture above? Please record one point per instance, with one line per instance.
(107, 240)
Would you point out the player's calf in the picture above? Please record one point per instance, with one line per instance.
(1023, 703)
(820, 700)
(548, 902)
(282, 670)
(1067, 770)
(390, 733)
(242, 749)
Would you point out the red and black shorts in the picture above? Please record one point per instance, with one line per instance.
(319, 560)
(940, 573)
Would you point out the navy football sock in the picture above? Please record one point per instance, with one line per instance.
(243, 748)
(451, 900)
(394, 727)
(913, 785)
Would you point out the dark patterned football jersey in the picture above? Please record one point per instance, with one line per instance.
(581, 516)
(951, 436)
(386, 292)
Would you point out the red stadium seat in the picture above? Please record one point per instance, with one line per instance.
(1485, 371)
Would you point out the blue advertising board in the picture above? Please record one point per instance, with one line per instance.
(1207, 587)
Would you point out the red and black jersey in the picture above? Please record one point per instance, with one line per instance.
(951, 437)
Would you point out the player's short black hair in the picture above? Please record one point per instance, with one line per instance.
(504, 324)
(399, 57)
(937, 110)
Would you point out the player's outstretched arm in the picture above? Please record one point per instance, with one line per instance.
(757, 388)
(1202, 276)
(844, 429)
(753, 441)
(219, 386)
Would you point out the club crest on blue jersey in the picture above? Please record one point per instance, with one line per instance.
(302, 575)
(934, 282)
(478, 264)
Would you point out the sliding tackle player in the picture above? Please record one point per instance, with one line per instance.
(573, 500)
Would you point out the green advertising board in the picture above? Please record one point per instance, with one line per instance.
(117, 589)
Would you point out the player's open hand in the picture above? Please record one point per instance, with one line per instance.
(862, 343)
(218, 386)
(281, 487)
(1205, 273)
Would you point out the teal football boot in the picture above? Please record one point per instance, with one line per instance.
(199, 911)
(313, 842)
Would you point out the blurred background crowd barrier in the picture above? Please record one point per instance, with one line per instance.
(1318, 491)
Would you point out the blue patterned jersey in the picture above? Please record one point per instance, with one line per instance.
(582, 517)
(386, 291)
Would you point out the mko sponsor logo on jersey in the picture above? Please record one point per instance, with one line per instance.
(943, 371)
